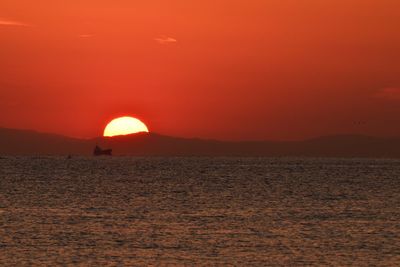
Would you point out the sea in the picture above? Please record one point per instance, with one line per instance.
(199, 211)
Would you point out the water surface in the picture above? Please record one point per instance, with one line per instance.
(199, 211)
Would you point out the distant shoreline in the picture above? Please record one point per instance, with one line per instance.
(27, 142)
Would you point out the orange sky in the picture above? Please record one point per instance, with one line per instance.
(225, 69)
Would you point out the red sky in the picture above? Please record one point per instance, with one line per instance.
(225, 69)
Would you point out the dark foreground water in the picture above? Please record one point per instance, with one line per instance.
(199, 211)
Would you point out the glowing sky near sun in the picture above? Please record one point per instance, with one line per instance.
(257, 69)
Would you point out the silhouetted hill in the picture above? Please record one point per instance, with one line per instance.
(26, 142)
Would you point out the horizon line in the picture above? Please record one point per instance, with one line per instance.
(206, 138)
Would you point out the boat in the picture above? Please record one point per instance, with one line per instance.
(98, 151)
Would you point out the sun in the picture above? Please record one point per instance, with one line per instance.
(124, 126)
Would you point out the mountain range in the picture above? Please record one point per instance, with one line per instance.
(28, 142)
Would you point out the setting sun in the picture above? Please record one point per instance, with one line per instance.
(124, 126)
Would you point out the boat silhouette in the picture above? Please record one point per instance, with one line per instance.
(99, 152)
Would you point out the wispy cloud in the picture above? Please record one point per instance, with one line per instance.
(6, 22)
(86, 35)
(165, 40)
(391, 93)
